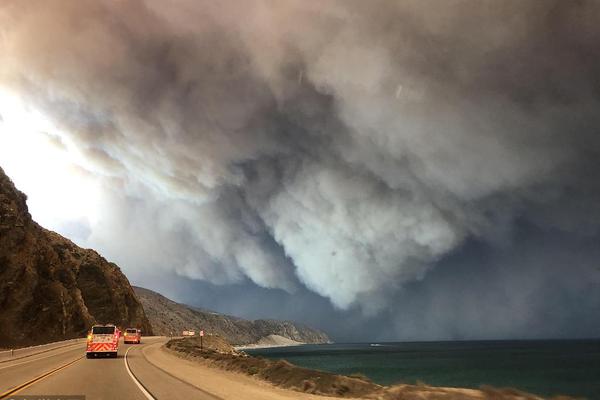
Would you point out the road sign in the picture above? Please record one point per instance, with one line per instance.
(201, 333)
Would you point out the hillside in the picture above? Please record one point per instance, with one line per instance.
(51, 289)
(167, 316)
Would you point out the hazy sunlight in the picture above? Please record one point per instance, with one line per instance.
(34, 155)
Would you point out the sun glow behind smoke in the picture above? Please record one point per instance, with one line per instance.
(61, 194)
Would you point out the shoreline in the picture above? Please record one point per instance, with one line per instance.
(269, 379)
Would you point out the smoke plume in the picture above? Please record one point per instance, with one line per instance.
(345, 147)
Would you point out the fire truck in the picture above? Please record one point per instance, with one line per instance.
(133, 335)
(102, 340)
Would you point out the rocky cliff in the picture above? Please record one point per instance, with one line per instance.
(167, 316)
(51, 289)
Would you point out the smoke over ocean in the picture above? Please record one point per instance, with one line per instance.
(429, 164)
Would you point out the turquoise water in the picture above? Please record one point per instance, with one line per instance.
(570, 367)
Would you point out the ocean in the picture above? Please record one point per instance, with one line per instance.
(543, 367)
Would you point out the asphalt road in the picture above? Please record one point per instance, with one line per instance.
(96, 378)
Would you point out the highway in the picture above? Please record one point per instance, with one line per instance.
(66, 371)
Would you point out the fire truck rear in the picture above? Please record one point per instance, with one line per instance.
(102, 340)
(133, 335)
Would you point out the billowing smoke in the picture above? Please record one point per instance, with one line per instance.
(346, 146)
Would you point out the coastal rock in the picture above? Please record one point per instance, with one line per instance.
(50, 288)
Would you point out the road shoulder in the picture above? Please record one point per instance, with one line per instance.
(224, 384)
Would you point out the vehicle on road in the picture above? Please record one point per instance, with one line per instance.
(103, 340)
(133, 335)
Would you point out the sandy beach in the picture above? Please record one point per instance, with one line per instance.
(270, 341)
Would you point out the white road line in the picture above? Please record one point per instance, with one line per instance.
(143, 350)
(138, 383)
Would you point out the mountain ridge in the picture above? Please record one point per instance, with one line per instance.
(169, 317)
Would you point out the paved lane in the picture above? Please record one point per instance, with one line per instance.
(96, 378)
(104, 378)
(14, 373)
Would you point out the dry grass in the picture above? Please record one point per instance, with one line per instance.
(493, 393)
(280, 373)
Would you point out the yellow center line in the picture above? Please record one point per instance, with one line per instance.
(25, 385)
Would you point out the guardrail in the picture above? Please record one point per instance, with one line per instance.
(15, 354)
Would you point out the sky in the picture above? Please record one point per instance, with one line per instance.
(382, 170)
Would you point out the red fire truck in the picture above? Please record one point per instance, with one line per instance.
(133, 335)
(102, 340)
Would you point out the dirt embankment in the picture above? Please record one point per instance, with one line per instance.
(216, 352)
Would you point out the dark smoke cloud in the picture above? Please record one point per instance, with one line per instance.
(347, 149)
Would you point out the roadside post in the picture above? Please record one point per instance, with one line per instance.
(201, 336)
